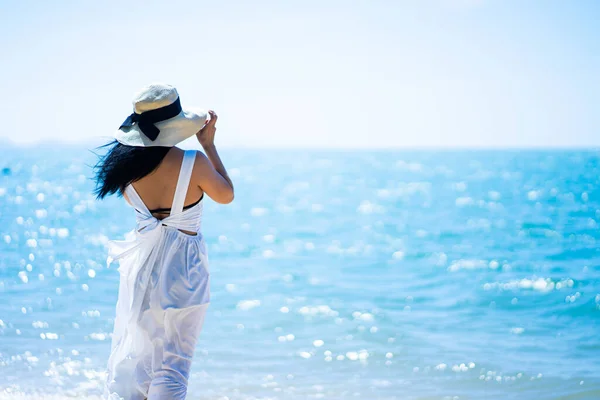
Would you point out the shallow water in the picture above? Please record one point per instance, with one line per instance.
(335, 274)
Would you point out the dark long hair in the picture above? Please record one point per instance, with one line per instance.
(122, 165)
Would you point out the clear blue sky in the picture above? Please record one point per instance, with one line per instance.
(312, 73)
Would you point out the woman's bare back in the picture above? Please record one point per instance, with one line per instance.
(158, 188)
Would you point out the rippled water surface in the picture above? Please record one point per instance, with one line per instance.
(335, 275)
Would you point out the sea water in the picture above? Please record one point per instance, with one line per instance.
(335, 275)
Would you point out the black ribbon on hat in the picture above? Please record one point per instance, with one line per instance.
(147, 119)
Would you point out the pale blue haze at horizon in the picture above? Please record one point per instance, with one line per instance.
(438, 73)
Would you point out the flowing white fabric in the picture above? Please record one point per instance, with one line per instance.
(164, 291)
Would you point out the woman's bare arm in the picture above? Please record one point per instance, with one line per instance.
(212, 176)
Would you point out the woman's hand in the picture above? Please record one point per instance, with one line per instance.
(206, 135)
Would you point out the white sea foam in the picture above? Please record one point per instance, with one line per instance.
(246, 305)
(467, 264)
(409, 166)
(318, 310)
(62, 232)
(259, 211)
(464, 201)
(536, 284)
(367, 207)
(41, 213)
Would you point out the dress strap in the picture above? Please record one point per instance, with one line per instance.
(135, 199)
(185, 173)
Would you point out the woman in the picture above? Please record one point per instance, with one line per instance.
(164, 276)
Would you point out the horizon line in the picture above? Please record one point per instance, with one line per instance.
(94, 143)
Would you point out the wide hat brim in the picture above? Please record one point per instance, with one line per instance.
(172, 131)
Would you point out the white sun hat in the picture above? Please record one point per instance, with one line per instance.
(158, 119)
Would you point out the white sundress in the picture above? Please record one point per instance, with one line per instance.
(163, 296)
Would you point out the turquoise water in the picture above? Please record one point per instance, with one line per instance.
(335, 275)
